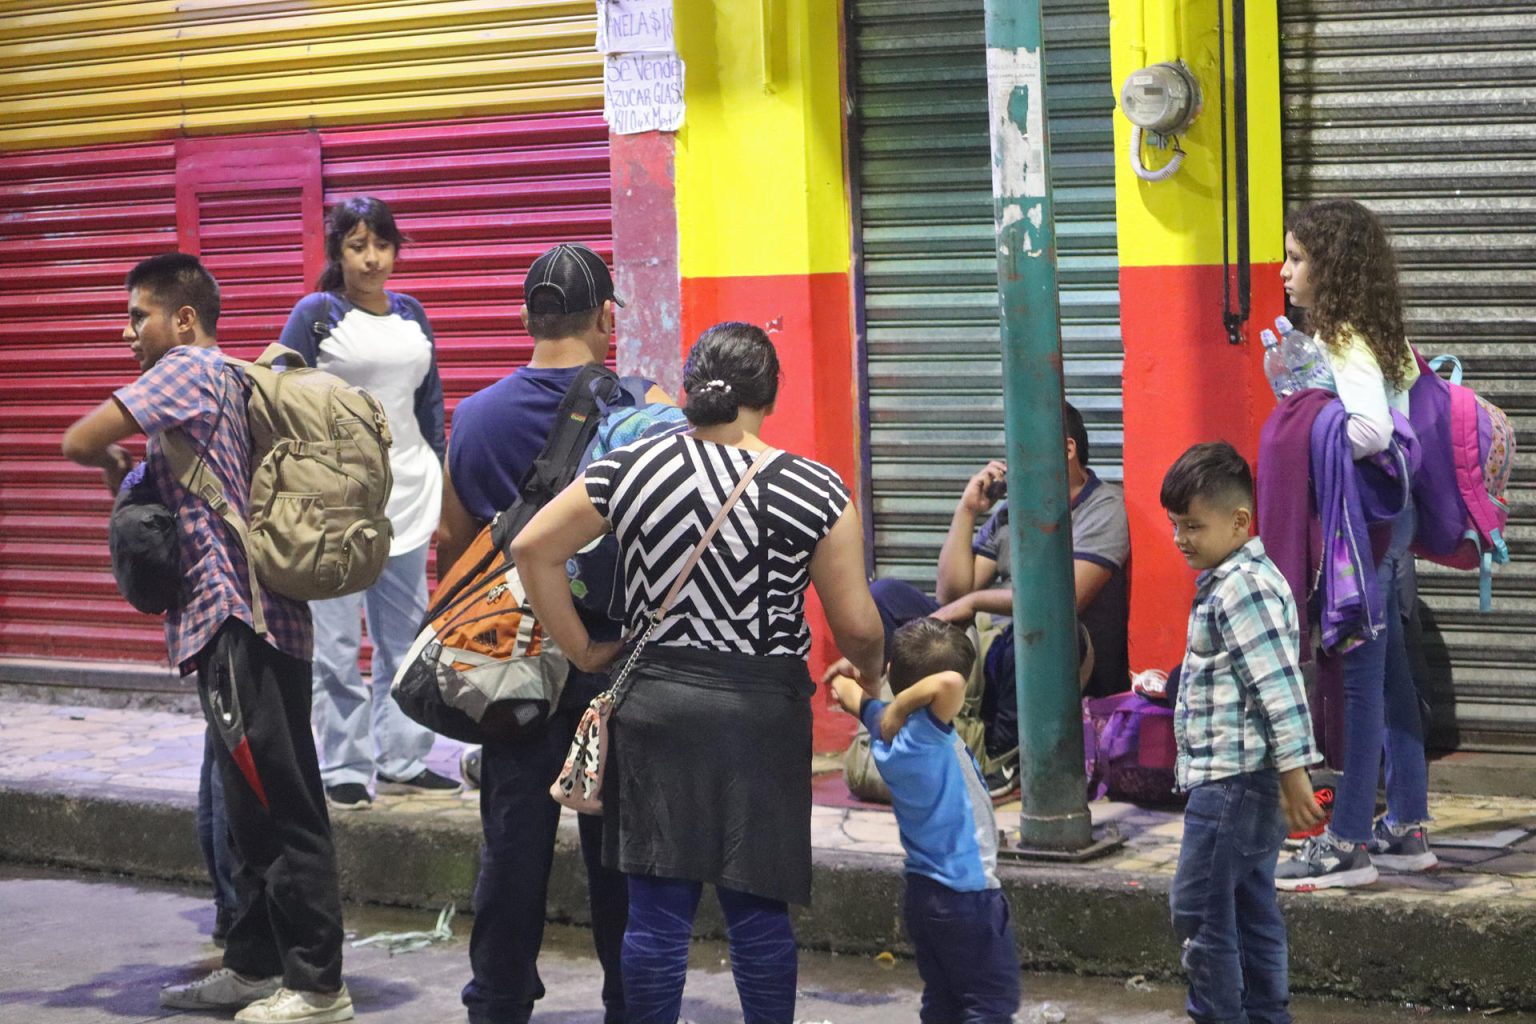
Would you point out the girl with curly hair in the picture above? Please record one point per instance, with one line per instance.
(1339, 269)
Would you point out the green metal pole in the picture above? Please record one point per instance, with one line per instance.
(1055, 812)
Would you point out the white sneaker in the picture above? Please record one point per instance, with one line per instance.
(289, 1005)
(221, 990)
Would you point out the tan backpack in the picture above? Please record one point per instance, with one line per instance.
(320, 479)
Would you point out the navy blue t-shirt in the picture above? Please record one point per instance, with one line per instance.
(498, 432)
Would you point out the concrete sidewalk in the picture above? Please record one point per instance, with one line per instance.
(115, 790)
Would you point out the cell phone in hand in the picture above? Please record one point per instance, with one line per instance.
(997, 490)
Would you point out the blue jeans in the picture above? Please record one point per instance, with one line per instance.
(213, 829)
(1381, 714)
(898, 603)
(1225, 912)
(764, 961)
(965, 953)
(359, 726)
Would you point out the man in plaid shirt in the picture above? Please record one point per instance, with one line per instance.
(1245, 740)
(282, 959)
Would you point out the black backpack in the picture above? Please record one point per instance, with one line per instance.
(142, 539)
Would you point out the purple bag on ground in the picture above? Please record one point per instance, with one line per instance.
(1129, 750)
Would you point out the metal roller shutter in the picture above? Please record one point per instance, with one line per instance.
(479, 198)
(1422, 111)
(79, 72)
(929, 268)
(71, 226)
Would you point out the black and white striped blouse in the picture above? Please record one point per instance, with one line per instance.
(747, 594)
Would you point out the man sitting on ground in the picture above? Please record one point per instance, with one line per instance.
(974, 575)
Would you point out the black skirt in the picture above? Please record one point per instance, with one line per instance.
(709, 772)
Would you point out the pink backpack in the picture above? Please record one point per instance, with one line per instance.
(1467, 448)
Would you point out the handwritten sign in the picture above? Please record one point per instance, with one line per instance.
(643, 92)
(634, 26)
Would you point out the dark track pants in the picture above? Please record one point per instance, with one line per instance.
(289, 919)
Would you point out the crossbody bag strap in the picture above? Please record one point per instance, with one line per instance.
(764, 457)
(697, 553)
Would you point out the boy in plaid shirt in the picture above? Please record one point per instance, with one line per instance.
(1245, 740)
(282, 958)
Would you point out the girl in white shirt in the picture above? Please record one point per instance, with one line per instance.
(1340, 270)
(381, 341)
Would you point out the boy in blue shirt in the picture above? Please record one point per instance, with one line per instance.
(955, 910)
(1245, 740)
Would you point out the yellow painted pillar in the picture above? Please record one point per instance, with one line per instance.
(763, 218)
(1184, 382)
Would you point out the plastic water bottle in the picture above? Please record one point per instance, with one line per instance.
(1281, 381)
(1308, 365)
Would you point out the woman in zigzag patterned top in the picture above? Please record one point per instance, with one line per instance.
(709, 773)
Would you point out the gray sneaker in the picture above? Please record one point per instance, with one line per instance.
(221, 990)
(1325, 862)
(1401, 847)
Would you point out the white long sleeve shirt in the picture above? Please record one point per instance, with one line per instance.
(1367, 396)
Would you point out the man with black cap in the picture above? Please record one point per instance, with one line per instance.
(568, 308)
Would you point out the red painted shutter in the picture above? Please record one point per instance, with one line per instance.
(480, 201)
(479, 198)
(72, 224)
(250, 208)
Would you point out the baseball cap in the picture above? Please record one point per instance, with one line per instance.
(568, 279)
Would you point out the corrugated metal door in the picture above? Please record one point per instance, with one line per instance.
(92, 71)
(71, 226)
(480, 199)
(1423, 113)
(929, 269)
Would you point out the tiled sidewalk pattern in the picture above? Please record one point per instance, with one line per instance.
(1487, 845)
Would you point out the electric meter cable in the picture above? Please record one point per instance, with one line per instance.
(1233, 319)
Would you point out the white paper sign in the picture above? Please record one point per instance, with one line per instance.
(634, 26)
(643, 92)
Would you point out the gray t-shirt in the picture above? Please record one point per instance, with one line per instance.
(1101, 535)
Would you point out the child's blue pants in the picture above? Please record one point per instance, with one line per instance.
(965, 953)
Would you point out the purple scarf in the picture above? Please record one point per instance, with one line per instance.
(1351, 497)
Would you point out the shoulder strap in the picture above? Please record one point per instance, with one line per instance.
(762, 460)
(764, 457)
(193, 472)
(576, 420)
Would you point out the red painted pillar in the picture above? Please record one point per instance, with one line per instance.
(645, 256)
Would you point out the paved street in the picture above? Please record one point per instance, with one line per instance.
(92, 950)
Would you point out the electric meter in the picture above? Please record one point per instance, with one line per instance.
(1164, 98)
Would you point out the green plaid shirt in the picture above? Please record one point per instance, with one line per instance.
(1242, 702)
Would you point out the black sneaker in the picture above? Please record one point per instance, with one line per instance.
(1002, 780)
(469, 767)
(424, 781)
(1325, 862)
(1401, 848)
(348, 796)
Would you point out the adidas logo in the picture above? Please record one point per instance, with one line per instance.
(486, 638)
